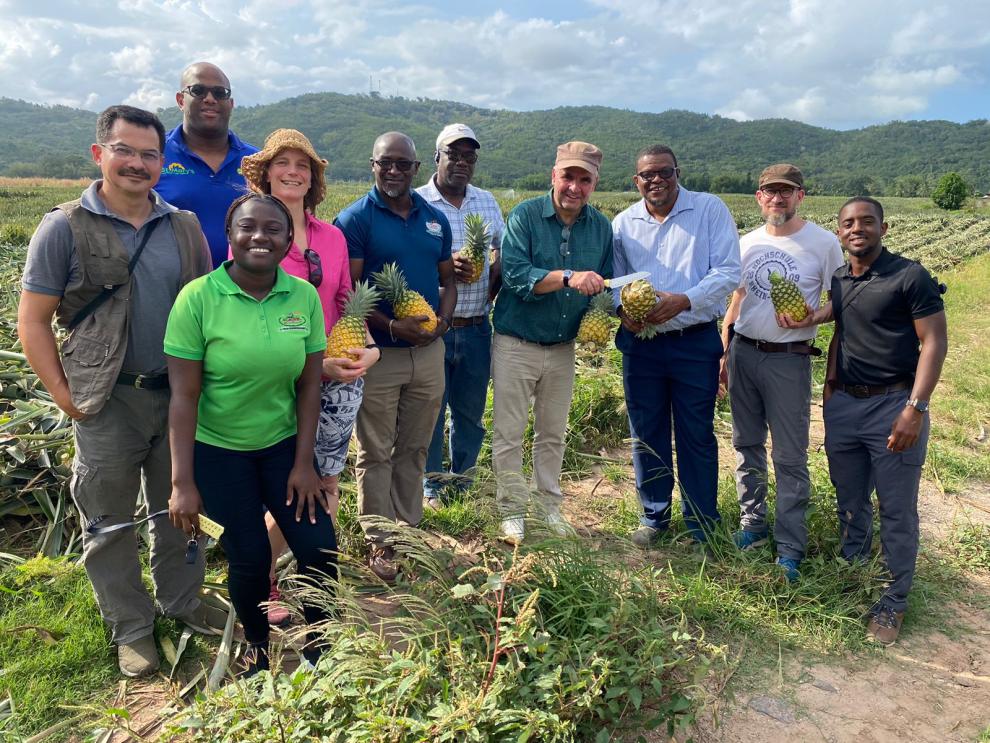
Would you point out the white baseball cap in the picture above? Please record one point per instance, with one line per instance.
(453, 132)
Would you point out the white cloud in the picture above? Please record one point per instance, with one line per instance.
(827, 62)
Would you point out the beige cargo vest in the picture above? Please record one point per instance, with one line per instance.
(94, 351)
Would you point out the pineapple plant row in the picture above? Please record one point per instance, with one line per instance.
(787, 298)
(349, 331)
(405, 302)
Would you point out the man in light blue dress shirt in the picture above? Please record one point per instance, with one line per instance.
(689, 244)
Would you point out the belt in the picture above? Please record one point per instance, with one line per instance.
(144, 381)
(540, 343)
(803, 348)
(689, 329)
(871, 390)
(464, 322)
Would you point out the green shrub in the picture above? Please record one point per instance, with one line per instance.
(560, 643)
(950, 192)
(14, 234)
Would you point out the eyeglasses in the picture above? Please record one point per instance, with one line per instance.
(662, 173)
(565, 242)
(151, 157)
(314, 266)
(785, 192)
(219, 92)
(403, 166)
(454, 156)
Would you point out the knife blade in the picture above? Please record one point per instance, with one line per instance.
(627, 279)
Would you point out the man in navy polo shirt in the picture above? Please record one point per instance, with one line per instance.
(202, 169)
(403, 391)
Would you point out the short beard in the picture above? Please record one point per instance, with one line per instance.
(779, 220)
(394, 193)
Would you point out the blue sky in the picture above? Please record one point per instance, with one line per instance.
(836, 63)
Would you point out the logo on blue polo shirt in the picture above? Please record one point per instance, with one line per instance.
(433, 228)
(293, 321)
(177, 169)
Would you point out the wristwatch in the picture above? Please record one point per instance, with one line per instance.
(920, 405)
(567, 277)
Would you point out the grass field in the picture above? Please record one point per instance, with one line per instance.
(684, 617)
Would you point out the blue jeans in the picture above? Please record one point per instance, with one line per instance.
(467, 368)
(674, 376)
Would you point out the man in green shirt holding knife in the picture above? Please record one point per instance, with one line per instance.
(556, 253)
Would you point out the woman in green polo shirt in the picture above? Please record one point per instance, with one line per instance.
(245, 347)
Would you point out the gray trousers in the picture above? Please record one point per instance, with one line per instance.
(772, 391)
(119, 451)
(856, 432)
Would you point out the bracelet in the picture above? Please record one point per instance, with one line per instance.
(390, 333)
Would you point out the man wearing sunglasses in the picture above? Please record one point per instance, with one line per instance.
(689, 245)
(467, 358)
(556, 254)
(107, 267)
(403, 391)
(767, 366)
(201, 172)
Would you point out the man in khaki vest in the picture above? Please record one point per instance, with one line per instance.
(107, 268)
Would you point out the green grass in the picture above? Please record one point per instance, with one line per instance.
(66, 661)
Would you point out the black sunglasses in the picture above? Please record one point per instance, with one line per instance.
(314, 266)
(652, 175)
(219, 92)
(403, 166)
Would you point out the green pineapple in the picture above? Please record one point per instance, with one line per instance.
(477, 238)
(787, 298)
(405, 302)
(349, 330)
(596, 325)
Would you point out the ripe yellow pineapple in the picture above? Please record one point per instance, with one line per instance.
(405, 302)
(787, 298)
(596, 325)
(476, 241)
(349, 330)
(637, 298)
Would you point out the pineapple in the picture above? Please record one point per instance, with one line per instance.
(638, 298)
(595, 325)
(787, 298)
(405, 302)
(476, 241)
(349, 330)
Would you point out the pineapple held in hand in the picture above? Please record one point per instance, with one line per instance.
(349, 331)
(638, 298)
(405, 302)
(787, 298)
(595, 326)
(477, 238)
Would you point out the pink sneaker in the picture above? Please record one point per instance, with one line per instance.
(277, 614)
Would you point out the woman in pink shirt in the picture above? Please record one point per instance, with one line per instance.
(289, 169)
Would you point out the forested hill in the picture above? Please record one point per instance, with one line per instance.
(715, 153)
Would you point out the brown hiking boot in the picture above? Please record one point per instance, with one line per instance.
(382, 563)
(138, 658)
(884, 626)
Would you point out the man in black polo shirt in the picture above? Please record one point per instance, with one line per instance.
(876, 398)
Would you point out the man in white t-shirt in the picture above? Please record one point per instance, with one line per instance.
(768, 367)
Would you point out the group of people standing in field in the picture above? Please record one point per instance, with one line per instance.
(198, 288)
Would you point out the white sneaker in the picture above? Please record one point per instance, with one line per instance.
(559, 525)
(513, 530)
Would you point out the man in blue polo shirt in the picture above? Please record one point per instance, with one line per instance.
(202, 169)
(403, 391)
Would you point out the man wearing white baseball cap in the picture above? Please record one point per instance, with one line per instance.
(467, 358)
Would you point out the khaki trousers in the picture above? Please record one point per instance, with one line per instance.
(525, 374)
(402, 395)
(120, 452)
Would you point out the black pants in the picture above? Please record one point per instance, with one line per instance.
(237, 487)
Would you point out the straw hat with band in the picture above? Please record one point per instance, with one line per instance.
(255, 167)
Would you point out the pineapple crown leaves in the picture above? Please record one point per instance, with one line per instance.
(602, 302)
(477, 235)
(361, 299)
(391, 281)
